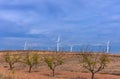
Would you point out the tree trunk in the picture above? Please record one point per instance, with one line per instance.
(92, 77)
(10, 65)
(30, 67)
(53, 72)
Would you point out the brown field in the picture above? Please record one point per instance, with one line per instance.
(71, 69)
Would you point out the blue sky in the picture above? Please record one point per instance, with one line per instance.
(76, 21)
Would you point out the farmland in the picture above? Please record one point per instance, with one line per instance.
(70, 69)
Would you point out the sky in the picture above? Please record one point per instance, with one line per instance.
(76, 21)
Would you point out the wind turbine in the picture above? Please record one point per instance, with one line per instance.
(108, 47)
(71, 47)
(98, 46)
(25, 45)
(48, 48)
(58, 43)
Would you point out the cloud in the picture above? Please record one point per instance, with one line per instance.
(73, 19)
(38, 31)
(18, 17)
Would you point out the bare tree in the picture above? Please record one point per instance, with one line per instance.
(53, 61)
(94, 62)
(11, 59)
(31, 59)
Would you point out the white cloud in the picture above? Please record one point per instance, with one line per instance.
(38, 31)
(18, 17)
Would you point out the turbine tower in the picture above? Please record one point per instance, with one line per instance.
(71, 48)
(25, 45)
(108, 47)
(58, 43)
(48, 48)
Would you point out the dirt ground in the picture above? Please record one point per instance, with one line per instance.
(71, 69)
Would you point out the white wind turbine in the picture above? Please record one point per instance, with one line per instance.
(25, 45)
(71, 47)
(58, 43)
(108, 47)
(99, 46)
(75, 45)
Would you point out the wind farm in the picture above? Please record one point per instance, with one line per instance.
(59, 39)
(69, 47)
